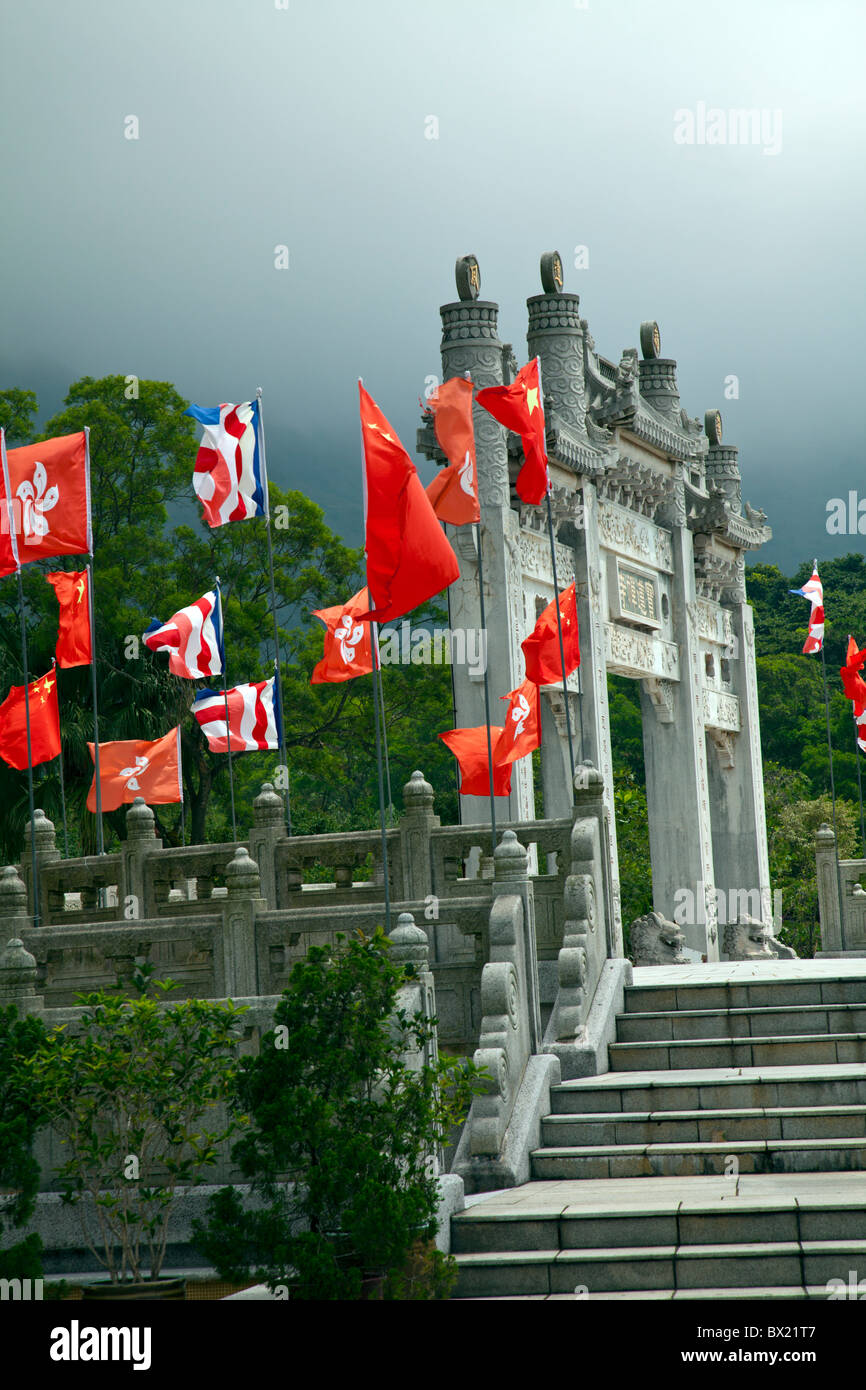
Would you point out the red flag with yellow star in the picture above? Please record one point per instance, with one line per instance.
(74, 645)
(409, 558)
(541, 647)
(44, 723)
(519, 408)
(469, 747)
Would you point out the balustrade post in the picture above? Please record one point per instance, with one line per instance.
(138, 894)
(269, 828)
(236, 972)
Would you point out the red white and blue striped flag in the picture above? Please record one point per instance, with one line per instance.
(193, 636)
(254, 717)
(813, 590)
(229, 477)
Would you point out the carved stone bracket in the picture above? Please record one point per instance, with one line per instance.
(661, 692)
(723, 740)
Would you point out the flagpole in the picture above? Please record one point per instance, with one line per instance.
(384, 726)
(280, 731)
(486, 690)
(859, 789)
(579, 679)
(60, 764)
(833, 797)
(226, 703)
(556, 597)
(33, 866)
(180, 779)
(377, 677)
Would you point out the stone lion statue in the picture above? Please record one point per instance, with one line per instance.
(656, 941)
(750, 939)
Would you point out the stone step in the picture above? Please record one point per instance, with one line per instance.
(701, 1158)
(745, 994)
(713, 1126)
(707, 1089)
(775, 1021)
(744, 1266)
(746, 1052)
(727, 1222)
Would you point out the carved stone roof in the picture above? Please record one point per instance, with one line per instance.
(715, 515)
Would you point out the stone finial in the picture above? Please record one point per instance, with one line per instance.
(140, 821)
(587, 779)
(268, 806)
(42, 831)
(409, 943)
(242, 876)
(510, 858)
(17, 972)
(551, 272)
(13, 894)
(468, 277)
(824, 837)
(418, 793)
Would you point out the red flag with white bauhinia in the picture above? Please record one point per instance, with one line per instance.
(348, 647)
(8, 547)
(44, 723)
(522, 732)
(519, 407)
(541, 647)
(453, 492)
(409, 558)
(855, 689)
(469, 747)
(137, 767)
(74, 643)
(50, 494)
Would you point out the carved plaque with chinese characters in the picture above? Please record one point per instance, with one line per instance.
(637, 595)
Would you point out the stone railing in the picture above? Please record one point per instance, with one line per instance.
(839, 933)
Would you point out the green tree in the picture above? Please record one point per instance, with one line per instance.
(20, 1117)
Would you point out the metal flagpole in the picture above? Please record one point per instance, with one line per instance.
(833, 796)
(91, 612)
(180, 786)
(384, 724)
(280, 731)
(60, 764)
(486, 690)
(579, 681)
(226, 703)
(33, 866)
(556, 599)
(859, 789)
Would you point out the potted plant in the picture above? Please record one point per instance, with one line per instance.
(129, 1093)
(344, 1115)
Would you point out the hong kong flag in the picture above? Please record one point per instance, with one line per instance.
(50, 491)
(8, 547)
(409, 558)
(132, 767)
(519, 407)
(454, 492)
(74, 644)
(852, 682)
(541, 647)
(44, 723)
(348, 649)
(469, 747)
(522, 732)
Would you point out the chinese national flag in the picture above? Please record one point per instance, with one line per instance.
(8, 550)
(454, 493)
(409, 558)
(44, 723)
(131, 767)
(853, 683)
(522, 732)
(469, 747)
(74, 647)
(519, 408)
(348, 648)
(541, 647)
(51, 497)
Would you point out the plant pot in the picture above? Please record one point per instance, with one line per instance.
(148, 1290)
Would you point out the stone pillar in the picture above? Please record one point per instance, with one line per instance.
(236, 973)
(141, 842)
(269, 828)
(416, 823)
(18, 978)
(555, 336)
(511, 876)
(676, 760)
(42, 833)
(470, 343)
(828, 890)
(14, 918)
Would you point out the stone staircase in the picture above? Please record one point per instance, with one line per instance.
(724, 1154)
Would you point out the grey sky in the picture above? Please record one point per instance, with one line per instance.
(305, 126)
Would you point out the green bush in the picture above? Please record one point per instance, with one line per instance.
(20, 1118)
